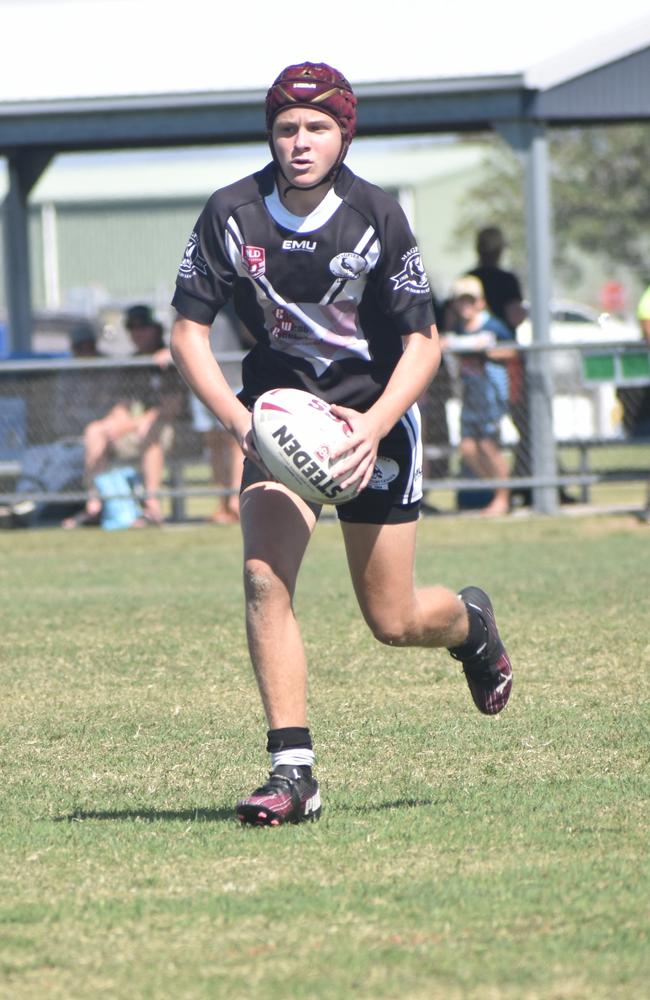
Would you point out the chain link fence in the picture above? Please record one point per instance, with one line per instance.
(576, 417)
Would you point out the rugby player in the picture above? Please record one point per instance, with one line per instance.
(326, 274)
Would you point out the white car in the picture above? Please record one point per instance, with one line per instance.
(582, 408)
(572, 323)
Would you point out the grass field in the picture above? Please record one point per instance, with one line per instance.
(457, 856)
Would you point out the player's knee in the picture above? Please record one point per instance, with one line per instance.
(261, 584)
(390, 631)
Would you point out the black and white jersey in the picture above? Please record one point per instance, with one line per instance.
(327, 297)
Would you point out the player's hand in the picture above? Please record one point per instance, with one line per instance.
(247, 444)
(362, 444)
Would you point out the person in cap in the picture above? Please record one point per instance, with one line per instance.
(81, 394)
(326, 274)
(137, 428)
(83, 341)
(485, 385)
(147, 334)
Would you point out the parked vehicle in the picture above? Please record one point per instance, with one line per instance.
(580, 408)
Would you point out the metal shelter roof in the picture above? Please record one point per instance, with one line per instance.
(97, 74)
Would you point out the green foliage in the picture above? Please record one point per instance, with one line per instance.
(458, 857)
(600, 189)
(497, 200)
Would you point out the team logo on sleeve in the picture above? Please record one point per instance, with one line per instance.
(254, 260)
(192, 262)
(413, 277)
(348, 265)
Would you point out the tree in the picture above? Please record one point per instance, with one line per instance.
(600, 191)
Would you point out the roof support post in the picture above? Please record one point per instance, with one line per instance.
(529, 140)
(24, 169)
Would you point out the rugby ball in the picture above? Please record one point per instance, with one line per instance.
(295, 433)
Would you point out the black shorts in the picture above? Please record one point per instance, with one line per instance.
(394, 493)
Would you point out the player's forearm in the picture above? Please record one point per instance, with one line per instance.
(192, 354)
(415, 370)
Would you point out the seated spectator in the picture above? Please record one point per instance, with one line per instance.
(137, 429)
(82, 395)
(83, 341)
(484, 380)
(79, 395)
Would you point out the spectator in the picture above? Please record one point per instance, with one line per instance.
(485, 384)
(501, 288)
(504, 300)
(138, 426)
(147, 334)
(79, 396)
(83, 341)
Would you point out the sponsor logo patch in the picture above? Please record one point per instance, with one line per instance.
(192, 262)
(413, 277)
(306, 246)
(348, 265)
(254, 260)
(287, 327)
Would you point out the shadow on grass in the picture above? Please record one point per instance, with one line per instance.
(221, 815)
(365, 807)
(150, 815)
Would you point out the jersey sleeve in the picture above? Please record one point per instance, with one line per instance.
(401, 281)
(206, 275)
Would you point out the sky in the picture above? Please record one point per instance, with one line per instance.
(79, 48)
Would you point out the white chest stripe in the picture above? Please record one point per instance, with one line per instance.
(322, 334)
(233, 245)
(319, 358)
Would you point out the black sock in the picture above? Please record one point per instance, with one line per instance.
(476, 637)
(291, 747)
(290, 738)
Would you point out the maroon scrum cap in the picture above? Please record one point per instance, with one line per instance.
(314, 85)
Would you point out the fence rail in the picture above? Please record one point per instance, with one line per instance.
(594, 397)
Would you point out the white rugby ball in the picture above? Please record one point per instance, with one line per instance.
(295, 433)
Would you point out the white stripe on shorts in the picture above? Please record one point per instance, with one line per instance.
(413, 425)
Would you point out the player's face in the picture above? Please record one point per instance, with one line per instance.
(307, 144)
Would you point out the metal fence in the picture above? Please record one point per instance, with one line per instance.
(577, 415)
